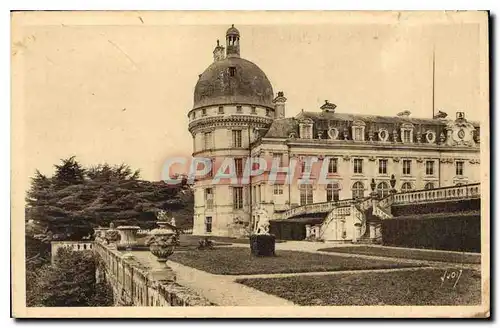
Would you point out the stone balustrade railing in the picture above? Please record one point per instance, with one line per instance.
(438, 194)
(134, 285)
(76, 246)
(324, 207)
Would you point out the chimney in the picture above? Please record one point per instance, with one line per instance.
(279, 105)
(218, 52)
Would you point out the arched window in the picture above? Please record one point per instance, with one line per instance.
(306, 194)
(429, 185)
(358, 190)
(406, 187)
(332, 192)
(383, 189)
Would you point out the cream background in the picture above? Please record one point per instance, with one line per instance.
(148, 63)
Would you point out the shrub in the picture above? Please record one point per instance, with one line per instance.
(263, 245)
(205, 244)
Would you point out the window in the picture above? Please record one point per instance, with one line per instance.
(306, 166)
(429, 167)
(406, 136)
(358, 165)
(382, 166)
(358, 134)
(459, 168)
(238, 163)
(383, 189)
(358, 190)
(268, 112)
(209, 198)
(332, 192)
(255, 194)
(237, 198)
(254, 110)
(278, 157)
(236, 138)
(429, 185)
(239, 109)
(221, 109)
(207, 140)
(194, 115)
(203, 112)
(278, 189)
(332, 165)
(232, 71)
(406, 187)
(306, 194)
(208, 224)
(406, 166)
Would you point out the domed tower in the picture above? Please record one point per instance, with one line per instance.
(232, 99)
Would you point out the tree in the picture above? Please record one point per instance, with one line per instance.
(70, 281)
(68, 205)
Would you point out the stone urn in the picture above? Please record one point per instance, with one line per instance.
(128, 236)
(100, 233)
(112, 236)
(162, 241)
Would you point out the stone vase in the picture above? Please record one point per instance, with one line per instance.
(162, 241)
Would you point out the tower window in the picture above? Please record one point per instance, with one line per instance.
(203, 112)
(232, 71)
(254, 110)
(238, 109)
(221, 109)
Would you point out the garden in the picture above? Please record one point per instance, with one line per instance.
(414, 254)
(239, 261)
(409, 287)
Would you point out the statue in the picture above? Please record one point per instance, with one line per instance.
(262, 224)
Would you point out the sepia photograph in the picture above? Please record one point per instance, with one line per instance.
(250, 164)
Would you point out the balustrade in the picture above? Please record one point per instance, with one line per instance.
(438, 194)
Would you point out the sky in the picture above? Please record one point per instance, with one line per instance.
(119, 93)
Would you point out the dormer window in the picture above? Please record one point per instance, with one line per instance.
(358, 131)
(306, 129)
(232, 71)
(407, 133)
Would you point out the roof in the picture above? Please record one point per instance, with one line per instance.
(245, 84)
(282, 128)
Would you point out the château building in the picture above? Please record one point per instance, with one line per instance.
(236, 114)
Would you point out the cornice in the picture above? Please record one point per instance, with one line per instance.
(228, 121)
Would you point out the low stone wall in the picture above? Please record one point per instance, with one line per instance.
(76, 246)
(134, 284)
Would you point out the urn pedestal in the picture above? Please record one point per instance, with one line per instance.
(161, 242)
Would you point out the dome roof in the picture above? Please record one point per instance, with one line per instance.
(233, 80)
(232, 31)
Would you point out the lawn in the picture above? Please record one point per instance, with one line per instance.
(416, 287)
(238, 261)
(231, 240)
(406, 253)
